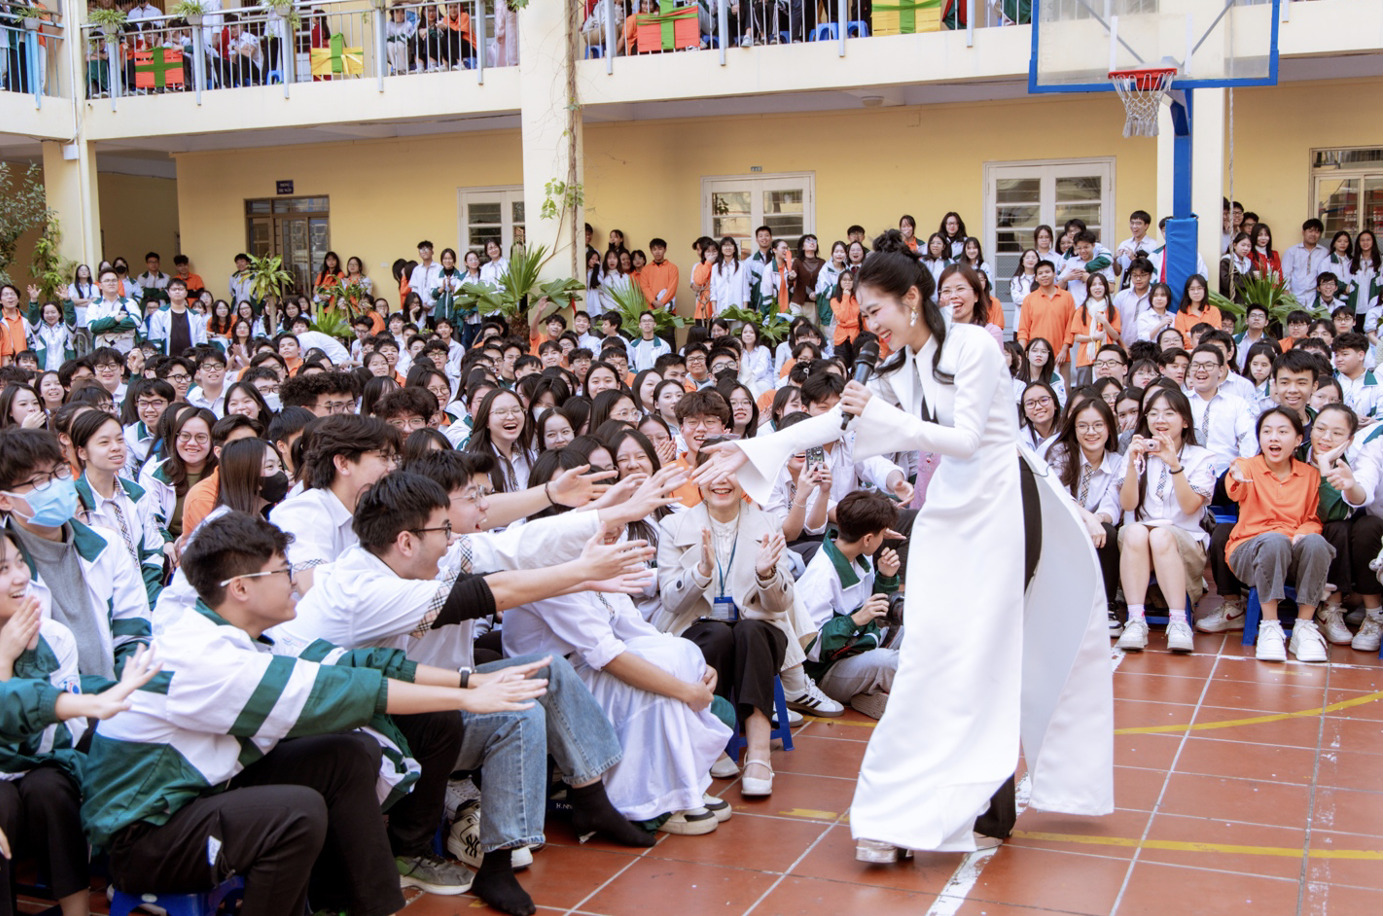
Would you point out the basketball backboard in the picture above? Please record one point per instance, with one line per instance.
(1214, 43)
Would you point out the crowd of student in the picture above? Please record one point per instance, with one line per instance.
(320, 540)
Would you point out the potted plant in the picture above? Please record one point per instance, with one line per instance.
(193, 12)
(268, 280)
(773, 327)
(109, 21)
(631, 303)
(1270, 291)
(518, 287)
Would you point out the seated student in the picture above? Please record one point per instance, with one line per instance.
(820, 393)
(1224, 422)
(1173, 363)
(846, 600)
(1256, 324)
(1294, 377)
(727, 585)
(342, 456)
(391, 590)
(86, 577)
(202, 496)
(655, 688)
(1325, 297)
(407, 409)
(1278, 535)
(180, 804)
(1166, 483)
(1089, 434)
(701, 415)
(210, 389)
(802, 496)
(44, 720)
(1297, 324)
(648, 347)
(1359, 388)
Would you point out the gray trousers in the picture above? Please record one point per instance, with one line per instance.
(867, 672)
(1267, 561)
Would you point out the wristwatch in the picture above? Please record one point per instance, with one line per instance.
(465, 676)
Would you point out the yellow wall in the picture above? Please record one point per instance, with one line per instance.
(870, 166)
(138, 215)
(385, 195)
(1276, 129)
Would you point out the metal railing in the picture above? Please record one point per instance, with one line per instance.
(30, 44)
(319, 42)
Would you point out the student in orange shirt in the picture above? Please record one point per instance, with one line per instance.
(1047, 312)
(290, 352)
(182, 270)
(701, 284)
(701, 415)
(1095, 323)
(995, 311)
(846, 310)
(1195, 309)
(1296, 324)
(659, 278)
(1278, 535)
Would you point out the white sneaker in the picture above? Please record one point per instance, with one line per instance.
(816, 703)
(1135, 635)
(1367, 639)
(692, 822)
(1307, 644)
(1334, 626)
(724, 768)
(1229, 616)
(795, 719)
(1179, 636)
(1269, 647)
(464, 839)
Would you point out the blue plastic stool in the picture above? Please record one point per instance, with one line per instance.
(1253, 611)
(827, 31)
(781, 732)
(272, 77)
(203, 904)
(857, 28)
(595, 52)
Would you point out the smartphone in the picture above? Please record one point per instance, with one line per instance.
(816, 458)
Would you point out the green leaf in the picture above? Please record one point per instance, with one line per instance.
(774, 326)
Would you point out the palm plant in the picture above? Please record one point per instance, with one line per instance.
(631, 303)
(517, 287)
(773, 326)
(1269, 290)
(333, 324)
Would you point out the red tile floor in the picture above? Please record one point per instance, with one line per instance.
(1242, 787)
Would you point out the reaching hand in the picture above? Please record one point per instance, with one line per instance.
(574, 487)
(20, 632)
(138, 672)
(1341, 476)
(635, 583)
(725, 459)
(889, 563)
(507, 690)
(902, 490)
(1238, 472)
(599, 560)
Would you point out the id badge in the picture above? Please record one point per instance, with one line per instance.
(724, 608)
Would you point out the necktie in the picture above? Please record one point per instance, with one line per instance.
(1086, 473)
(1206, 423)
(124, 526)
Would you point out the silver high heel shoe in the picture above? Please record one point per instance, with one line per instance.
(877, 852)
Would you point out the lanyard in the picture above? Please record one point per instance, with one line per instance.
(721, 571)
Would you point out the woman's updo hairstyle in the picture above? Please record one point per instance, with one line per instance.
(893, 268)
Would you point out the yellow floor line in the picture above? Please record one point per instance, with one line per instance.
(1288, 852)
(1200, 726)
(1254, 720)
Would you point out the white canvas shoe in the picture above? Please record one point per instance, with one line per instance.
(1307, 643)
(1270, 647)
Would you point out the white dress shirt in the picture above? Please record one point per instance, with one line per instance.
(1225, 425)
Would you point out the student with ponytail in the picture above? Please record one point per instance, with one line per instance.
(977, 568)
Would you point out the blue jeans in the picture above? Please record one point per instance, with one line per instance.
(511, 750)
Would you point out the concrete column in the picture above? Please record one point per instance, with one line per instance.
(69, 182)
(552, 151)
(1208, 171)
(1165, 166)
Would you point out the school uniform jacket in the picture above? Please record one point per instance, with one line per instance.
(53, 662)
(53, 345)
(833, 589)
(223, 701)
(161, 329)
(146, 531)
(113, 586)
(113, 321)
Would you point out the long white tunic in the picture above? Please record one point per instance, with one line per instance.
(997, 661)
(668, 748)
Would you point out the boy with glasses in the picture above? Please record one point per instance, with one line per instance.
(177, 371)
(152, 397)
(211, 383)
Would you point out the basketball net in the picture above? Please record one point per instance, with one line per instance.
(1142, 92)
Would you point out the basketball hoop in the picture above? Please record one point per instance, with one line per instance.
(1142, 91)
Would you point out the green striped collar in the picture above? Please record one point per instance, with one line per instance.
(848, 573)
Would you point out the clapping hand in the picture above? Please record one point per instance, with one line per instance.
(708, 558)
(20, 632)
(888, 563)
(770, 550)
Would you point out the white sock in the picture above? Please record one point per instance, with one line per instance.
(1180, 615)
(1136, 612)
(794, 681)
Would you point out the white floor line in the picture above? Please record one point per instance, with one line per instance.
(964, 879)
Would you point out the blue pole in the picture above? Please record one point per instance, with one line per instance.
(1182, 156)
(1180, 232)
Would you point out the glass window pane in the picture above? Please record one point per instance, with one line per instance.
(783, 201)
(1016, 190)
(1077, 189)
(488, 213)
(1373, 204)
(737, 227)
(730, 203)
(1087, 213)
(257, 206)
(516, 211)
(1338, 202)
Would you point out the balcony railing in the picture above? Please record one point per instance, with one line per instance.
(30, 44)
(325, 42)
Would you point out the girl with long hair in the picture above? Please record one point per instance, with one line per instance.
(1095, 323)
(504, 429)
(187, 437)
(960, 289)
(1266, 260)
(943, 391)
(1196, 308)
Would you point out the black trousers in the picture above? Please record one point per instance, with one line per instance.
(41, 814)
(1228, 585)
(1365, 532)
(434, 740)
(1109, 558)
(746, 654)
(1337, 534)
(302, 820)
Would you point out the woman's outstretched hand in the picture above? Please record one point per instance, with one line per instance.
(725, 459)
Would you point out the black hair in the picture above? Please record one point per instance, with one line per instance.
(397, 502)
(1297, 360)
(861, 513)
(346, 435)
(234, 544)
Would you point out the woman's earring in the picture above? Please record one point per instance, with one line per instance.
(912, 318)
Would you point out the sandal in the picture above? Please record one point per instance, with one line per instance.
(756, 788)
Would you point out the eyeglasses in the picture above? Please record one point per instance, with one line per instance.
(1038, 402)
(1204, 367)
(176, 377)
(389, 458)
(445, 526)
(508, 413)
(189, 438)
(154, 404)
(1107, 363)
(41, 482)
(212, 367)
(1090, 427)
(288, 571)
(338, 407)
(474, 495)
(702, 422)
(267, 389)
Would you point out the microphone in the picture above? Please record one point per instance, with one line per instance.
(865, 362)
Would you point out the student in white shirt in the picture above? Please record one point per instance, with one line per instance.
(1305, 261)
(646, 350)
(1166, 483)
(1090, 434)
(496, 265)
(1127, 252)
(424, 277)
(1133, 300)
(1359, 388)
(1224, 422)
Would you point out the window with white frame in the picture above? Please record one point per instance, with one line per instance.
(1021, 196)
(737, 205)
(488, 213)
(1347, 188)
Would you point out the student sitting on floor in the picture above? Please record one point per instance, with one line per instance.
(847, 600)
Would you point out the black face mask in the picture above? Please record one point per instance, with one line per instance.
(274, 487)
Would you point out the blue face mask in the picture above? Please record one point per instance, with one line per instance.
(53, 507)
